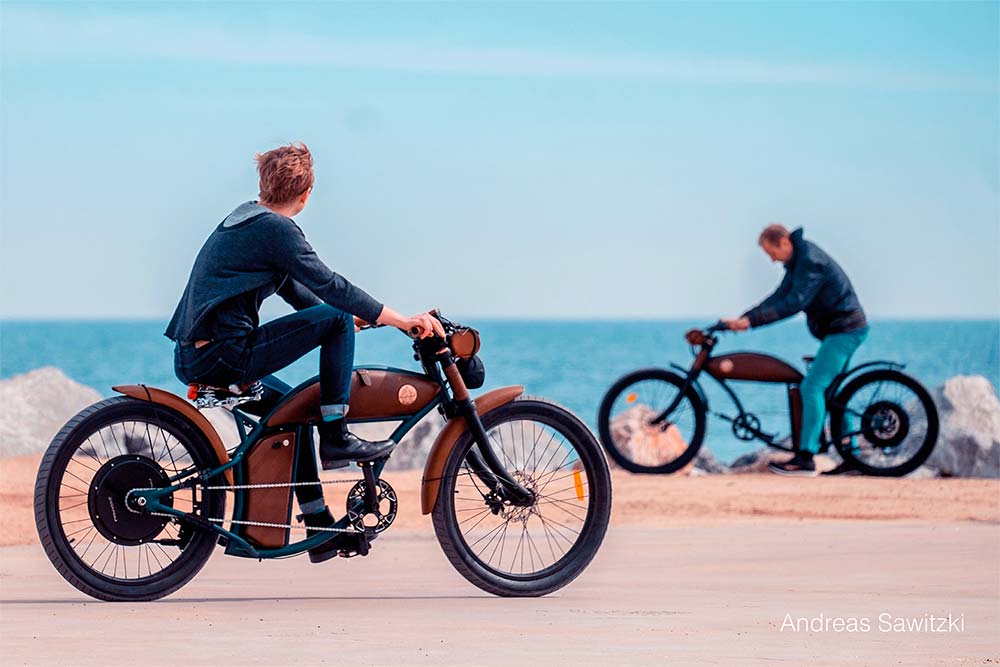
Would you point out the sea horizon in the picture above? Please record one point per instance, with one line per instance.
(571, 361)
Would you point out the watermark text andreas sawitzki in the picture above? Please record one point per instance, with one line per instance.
(884, 622)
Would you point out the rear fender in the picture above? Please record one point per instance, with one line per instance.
(838, 381)
(191, 413)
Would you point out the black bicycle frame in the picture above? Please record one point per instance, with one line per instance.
(692, 374)
(436, 360)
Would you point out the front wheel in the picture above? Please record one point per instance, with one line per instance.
(630, 428)
(530, 551)
(884, 423)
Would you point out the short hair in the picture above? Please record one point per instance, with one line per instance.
(773, 233)
(285, 173)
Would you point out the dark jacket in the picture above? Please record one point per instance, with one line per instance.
(816, 284)
(251, 255)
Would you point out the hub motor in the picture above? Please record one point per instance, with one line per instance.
(117, 517)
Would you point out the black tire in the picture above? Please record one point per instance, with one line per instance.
(542, 415)
(696, 429)
(924, 428)
(76, 445)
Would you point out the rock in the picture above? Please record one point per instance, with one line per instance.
(705, 462)
(969, 440)
(413, 450)
(649, 445)
(35, 405)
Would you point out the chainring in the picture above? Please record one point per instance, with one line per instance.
(372, 522)
(745, 425)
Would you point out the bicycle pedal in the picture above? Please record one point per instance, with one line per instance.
(362, 548)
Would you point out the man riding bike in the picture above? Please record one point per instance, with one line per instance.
(256, 251)
(816, 284)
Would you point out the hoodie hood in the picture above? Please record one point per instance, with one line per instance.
(244, 212)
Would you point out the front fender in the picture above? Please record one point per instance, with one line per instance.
(178, 404)
(449, 435)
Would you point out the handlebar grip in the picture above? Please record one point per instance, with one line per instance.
(414, 331)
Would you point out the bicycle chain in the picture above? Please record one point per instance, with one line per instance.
(261, 524)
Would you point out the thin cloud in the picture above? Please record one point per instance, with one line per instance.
(33, 35)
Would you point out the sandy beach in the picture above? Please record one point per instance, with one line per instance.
(695, 570)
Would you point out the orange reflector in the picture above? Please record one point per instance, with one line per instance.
(578, 483)
(631, 398)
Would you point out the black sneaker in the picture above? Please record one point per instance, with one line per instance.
(799, 465)
(345, 545)
(338, 447)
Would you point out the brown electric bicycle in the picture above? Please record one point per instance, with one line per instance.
(130, 499)
(653, 420)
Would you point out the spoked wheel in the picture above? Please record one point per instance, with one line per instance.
(101, 544)
(526, 551)
(630, 428)
(884, 423)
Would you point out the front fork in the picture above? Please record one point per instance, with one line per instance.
(484, 462)
(481, 458)
(661, 419)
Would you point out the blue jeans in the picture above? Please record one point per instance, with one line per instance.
(275, 345)
(831, 360)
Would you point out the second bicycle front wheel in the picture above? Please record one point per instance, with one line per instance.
(634, 437)
(516, 551)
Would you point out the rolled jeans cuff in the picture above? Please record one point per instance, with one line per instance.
(335, 411)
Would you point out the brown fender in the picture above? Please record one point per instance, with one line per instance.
(446, 440)
(178, 404)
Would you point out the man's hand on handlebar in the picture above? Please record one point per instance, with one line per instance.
(419, 326)
(736, 323)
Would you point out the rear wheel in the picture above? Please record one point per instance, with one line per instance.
(625, 422)
(97, 542)
(526, 551)
(884, 423)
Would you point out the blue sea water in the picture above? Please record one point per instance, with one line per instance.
(572, 362)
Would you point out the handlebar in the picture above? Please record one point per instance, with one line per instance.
(718, 326)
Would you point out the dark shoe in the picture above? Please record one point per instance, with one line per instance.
(339, 447)
(799, 465)
(345, 545)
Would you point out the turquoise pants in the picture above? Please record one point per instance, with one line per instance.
(832, 358)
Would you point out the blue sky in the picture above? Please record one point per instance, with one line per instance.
(511, 159)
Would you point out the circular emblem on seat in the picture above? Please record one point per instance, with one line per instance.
(407, 394)
(726, 366)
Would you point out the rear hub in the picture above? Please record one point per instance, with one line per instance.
(885, 424)
(118, 517)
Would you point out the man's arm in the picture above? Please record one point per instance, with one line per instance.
(803, 285)
(291, 253)
(297, 295)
